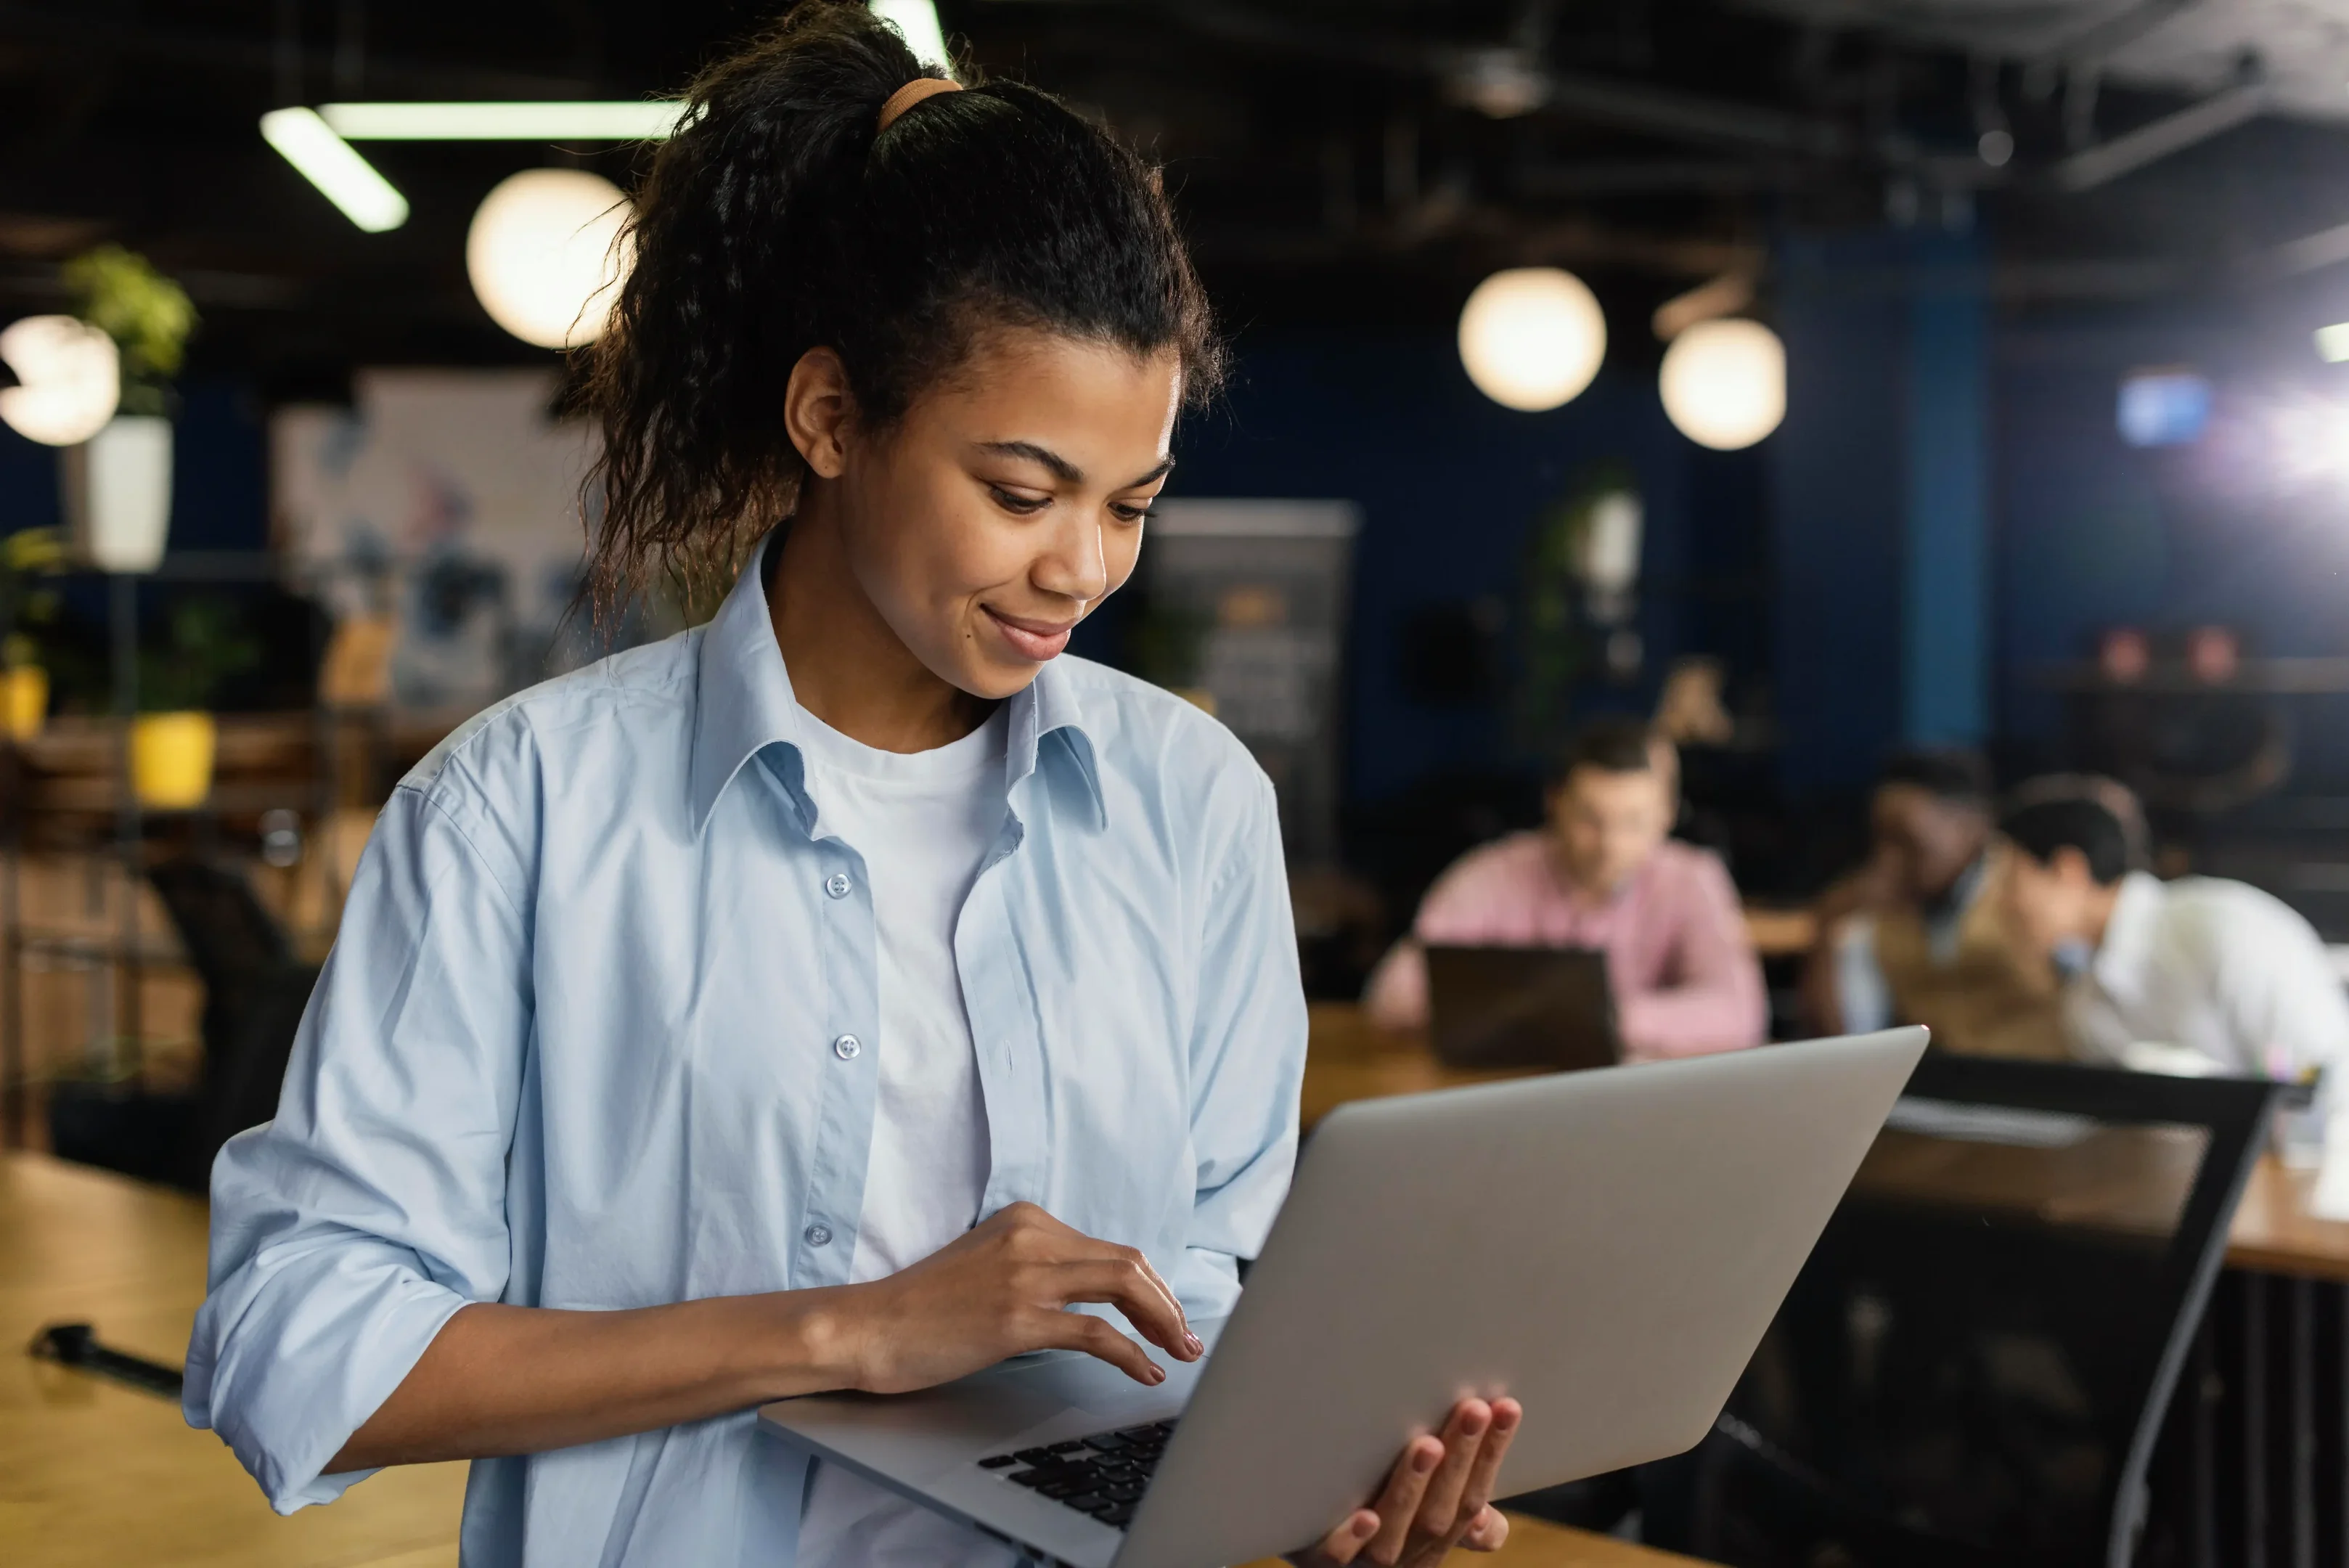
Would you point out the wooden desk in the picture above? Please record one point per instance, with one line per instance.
(1534, 1544)
(1347, 1059)
(93, 1474)
(2274, 1232)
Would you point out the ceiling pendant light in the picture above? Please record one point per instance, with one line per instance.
(1724, 383)
(544, 254)
(1532, 337)
(68, 379)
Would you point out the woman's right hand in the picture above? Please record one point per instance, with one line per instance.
(1002, 1289)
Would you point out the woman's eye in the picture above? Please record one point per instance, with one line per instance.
(1126, 512)
(1012, 500)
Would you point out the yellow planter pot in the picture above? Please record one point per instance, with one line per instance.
(171, 759)
(24, 700)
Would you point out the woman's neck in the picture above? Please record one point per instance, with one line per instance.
(847, 667)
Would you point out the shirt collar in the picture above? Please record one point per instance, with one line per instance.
(744, 704)
(2127, 948)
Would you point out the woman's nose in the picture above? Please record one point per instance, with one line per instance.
(1073, 565)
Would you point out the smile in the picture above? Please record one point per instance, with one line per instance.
(1036, 641)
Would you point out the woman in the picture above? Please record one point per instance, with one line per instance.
(834, 995)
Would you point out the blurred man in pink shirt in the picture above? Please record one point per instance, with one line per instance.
(1601, 874)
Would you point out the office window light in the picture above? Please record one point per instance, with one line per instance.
(2166, 406)
(575, 121)
(341, 175)
(2333, 342)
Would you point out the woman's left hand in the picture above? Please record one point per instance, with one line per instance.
(1437, 1497)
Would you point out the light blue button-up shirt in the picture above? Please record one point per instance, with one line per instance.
(575, 1048)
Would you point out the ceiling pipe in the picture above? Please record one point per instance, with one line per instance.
(2172, 133)
(1663, 112)
(2310, 253)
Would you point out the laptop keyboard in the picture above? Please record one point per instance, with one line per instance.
(1104, 1476)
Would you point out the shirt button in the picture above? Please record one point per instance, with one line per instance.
(847, 1048)
(818, 1234)
(837, 885)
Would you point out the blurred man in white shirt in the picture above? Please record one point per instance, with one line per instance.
(2198, 975)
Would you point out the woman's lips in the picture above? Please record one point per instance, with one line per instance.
(1037, 640)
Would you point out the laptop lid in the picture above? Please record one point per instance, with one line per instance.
(1607, 1247)
(1521, 1007)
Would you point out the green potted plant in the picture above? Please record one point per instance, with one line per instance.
(118, 482)
(26, 556)
(175, 736)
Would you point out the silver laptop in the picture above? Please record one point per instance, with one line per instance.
(1608, 1247)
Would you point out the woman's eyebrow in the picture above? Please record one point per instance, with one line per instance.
(1064, 471)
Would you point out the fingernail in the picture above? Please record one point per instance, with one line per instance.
(1425, 1460)
(1471, 1425)
(1194, 1344)
(1158, 1373)
(1367, 1526)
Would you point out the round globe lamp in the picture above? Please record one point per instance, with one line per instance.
(545, 256)
(68, 379)
(1532, 337)
(1724, 383)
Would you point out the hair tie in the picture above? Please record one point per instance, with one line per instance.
(912, 93)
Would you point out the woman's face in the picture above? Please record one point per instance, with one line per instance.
(1008, 503)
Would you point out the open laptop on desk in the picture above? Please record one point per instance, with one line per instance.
(1521, 1007)
(1606, 1247)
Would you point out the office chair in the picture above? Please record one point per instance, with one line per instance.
(255, 993)
(1974, 1366)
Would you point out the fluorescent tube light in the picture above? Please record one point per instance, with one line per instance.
(2333, 342)
(918, 21)
(618, 120)
(341, 175)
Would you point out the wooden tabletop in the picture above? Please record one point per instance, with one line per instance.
(2273, 1231)
(94, 1475)
(1534, 1544)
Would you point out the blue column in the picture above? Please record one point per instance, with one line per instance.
(1945, 523)
(1837, 467)
(1881, 500)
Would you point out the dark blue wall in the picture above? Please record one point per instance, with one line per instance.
(1882, 488)
(1448, 482)
(1837, 476)
(219, 473)
(2247, 528)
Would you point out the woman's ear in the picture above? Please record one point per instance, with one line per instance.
(817, 411)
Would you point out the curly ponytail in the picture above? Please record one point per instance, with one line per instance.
(779, 221)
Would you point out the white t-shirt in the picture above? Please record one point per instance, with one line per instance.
(924, 824)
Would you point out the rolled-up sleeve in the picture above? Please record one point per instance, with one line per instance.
(1248, 1057)
(349, 1230)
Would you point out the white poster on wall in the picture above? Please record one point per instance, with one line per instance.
(447, 501)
